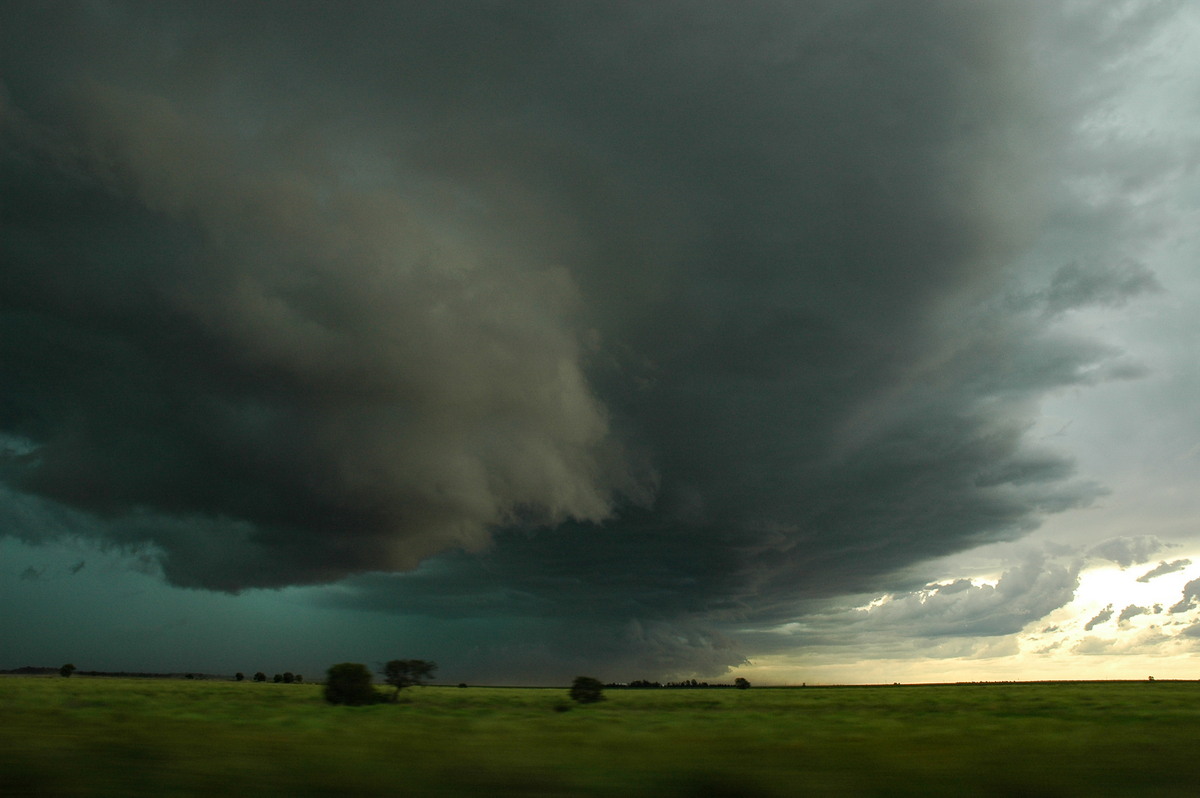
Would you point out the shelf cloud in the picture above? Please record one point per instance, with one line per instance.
(648, 320)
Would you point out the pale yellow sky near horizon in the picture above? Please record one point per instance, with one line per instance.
(1056, 646)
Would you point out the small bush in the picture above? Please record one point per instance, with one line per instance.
(239, 677)
(350, 683)
(260, 677)
(587, 690)
(66, 670)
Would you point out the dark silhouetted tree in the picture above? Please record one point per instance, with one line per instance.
(299, 678)
(741, 683)
(349, 683)
(66, 670)
(239, 676)
(277, 678)
(288, 677)
(587, 690)
(401, 673)
(260, 677)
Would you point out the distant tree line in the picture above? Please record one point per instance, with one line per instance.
(687, 684)
(279, 678)
(351, 683)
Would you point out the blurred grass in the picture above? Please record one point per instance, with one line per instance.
(128, 737)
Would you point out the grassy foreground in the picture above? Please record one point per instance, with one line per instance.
(126, 737)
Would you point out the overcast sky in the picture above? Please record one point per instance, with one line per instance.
(840, 340)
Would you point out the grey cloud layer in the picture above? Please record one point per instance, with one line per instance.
(666, 314)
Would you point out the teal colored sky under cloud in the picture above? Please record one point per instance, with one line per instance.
(831, 341)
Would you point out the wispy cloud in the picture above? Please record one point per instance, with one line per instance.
(1164, 568)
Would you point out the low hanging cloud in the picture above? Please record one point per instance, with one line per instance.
(949, 619)
(1127, 550)
(1104, 616)
(1190, 598)
(1132, 611)
(1164, 568)
(652, 317)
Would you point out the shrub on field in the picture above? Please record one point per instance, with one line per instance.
(741, 683)
(66, 670)
(278, 678)
(260, 677)
(350, 683)
(587, 690)
(288, 677)
(239, 676)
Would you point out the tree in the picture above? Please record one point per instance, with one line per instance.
(349, 683)
(66, 670)
(401, 673)
(278, 678)
(260, 677)
(288, 677)
(587, 690)
(239, 676)
(741, 683)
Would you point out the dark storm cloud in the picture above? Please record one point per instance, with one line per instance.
(647, 318)
(1100, 284)
(939, 613)
(1128, 550)
(1164, 568)
(31, 574)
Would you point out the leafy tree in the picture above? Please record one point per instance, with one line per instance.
(299, 678)
(66, 670)
(741, 683)
(587, 690)
(239, 676)
(349, 683)
(401, 673)
(260, 677)
(288, 677)
(278, 678)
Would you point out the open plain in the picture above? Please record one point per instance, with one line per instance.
(142, 737)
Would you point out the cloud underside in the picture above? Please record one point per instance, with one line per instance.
(643, 317)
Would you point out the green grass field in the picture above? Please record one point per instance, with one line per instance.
(128, 737)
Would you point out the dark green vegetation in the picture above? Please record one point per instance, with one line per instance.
(125, 737)
(587, 690)
(349, 683)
